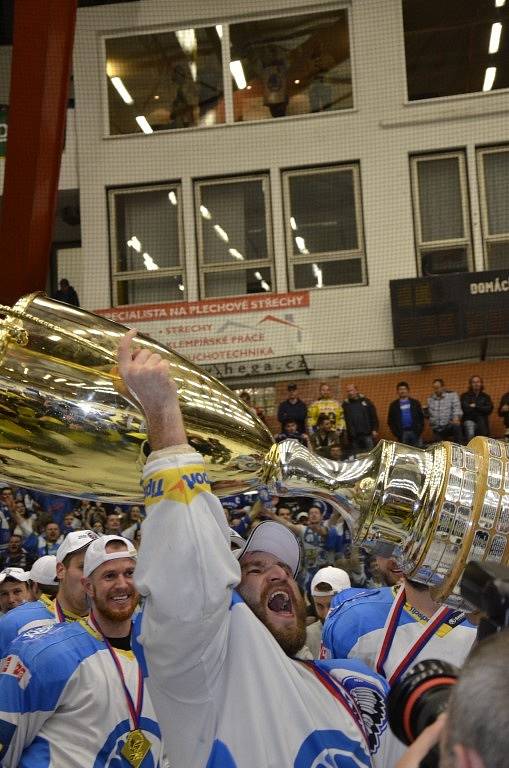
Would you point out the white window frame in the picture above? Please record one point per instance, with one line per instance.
(255, 264)
(358, 253)
(438, 245)
(117, 276)
(488, 239)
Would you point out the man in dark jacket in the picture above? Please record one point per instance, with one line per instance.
(406, 418)
(476, 405)
(67, 293)
(361, 420)
(503, 411)
(293, 408)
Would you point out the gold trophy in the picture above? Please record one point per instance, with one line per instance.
(68, 426)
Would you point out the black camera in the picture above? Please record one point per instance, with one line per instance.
(486, 587)
(417, 700)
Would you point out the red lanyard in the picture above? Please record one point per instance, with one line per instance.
(59, 612)
(135, 712)
(440, 617)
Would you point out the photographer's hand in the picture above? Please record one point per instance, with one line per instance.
(422, 745)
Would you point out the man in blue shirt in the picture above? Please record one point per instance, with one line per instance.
(406, 418)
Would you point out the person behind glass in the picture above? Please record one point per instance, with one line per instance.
(503, 412)
(476, 405)
(67, 293)
(292, 408)
(16, 555)
(361, 420)
(327, 406)
(444, 412)
(405, 417)
(324, 437)
(291, 432)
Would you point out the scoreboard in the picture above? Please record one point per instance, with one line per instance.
(442, 308)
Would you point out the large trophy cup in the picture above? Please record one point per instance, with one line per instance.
(68, 426)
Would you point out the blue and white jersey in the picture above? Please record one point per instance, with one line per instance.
(355, 628)
(226, 694)
(22, 618)
(62, 704)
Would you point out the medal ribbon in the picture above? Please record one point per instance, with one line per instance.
(59, 612)
(346, 701)
(441, 616)
(134, 711)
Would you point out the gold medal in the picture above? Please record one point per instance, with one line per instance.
(136, 747)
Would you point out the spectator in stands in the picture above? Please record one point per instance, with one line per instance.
(13, 588)
(113, 524)
(67, 293)
(476, 405)
(405, 417)
(292, 408)
(328, 406)
(284, 513)
(50, 541)
(16, 555)
(444, 412)
(503, 412)
(134, 520)
(361, 420)
(291, 432)
(70, 523)
(256, 409)
(324, 437)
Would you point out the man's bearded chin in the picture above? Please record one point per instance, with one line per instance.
(102, 606)
(290, 638)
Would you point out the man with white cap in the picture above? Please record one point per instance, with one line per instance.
(74, 695)
(39, 611)
(326, 583)
(219, 629)
(13, 588)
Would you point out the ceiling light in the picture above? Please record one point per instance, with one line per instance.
(122, 90)
(236, 254)
(187, 40)
(25, 371)
(499, 3)
(149, 262)
(221, 233)
(301, 244)
(144, 124)
(181, 287)
(156, 97)
(258, 275)
(172, 197)
(489, 78)
(317, 272)
(134, 243)
(296, 82)
(205, 212)
(219, 30)
(194, 70)
(496, 31)
(55, 338)
(58, 381)
(293, 223)
(265, 286)
(238, 74)
(47, 376)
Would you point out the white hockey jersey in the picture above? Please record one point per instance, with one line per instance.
(225, 693)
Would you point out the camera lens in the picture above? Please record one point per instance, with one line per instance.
(417, 699)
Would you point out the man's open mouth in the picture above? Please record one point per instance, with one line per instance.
(280, 602)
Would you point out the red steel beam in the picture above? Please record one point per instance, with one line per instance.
(41, 69)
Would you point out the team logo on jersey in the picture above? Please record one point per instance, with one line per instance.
(12, 665)
(371, 703)
(331, 749)
(176, 485)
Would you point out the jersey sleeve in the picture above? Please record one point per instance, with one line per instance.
(186, 573)
(341, 631)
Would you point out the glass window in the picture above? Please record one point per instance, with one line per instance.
(324, 227)
(455, 47)
(146, 244)
(494, 189)
(233, 228)
(441, 213)
(291, 65)
(164, 80)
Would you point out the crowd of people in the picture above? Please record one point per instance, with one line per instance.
(243, 634)
(338, 429)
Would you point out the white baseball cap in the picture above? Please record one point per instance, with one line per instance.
(18, 574)
(74, 541)
(274, 538)
(336, 580)
(44, 571)
(96, 554)
(236, 540)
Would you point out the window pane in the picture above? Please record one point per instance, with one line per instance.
(322, 209)
(291, 65)
(236, 282)
(447, 46)
(444, 261)
(233, 222)
(324, 274)
(172, 79)
(150, 290)
(147, 230)
(498, 255)
(440, 199)
(496, 175)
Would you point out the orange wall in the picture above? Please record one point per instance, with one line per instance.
(381, 388)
